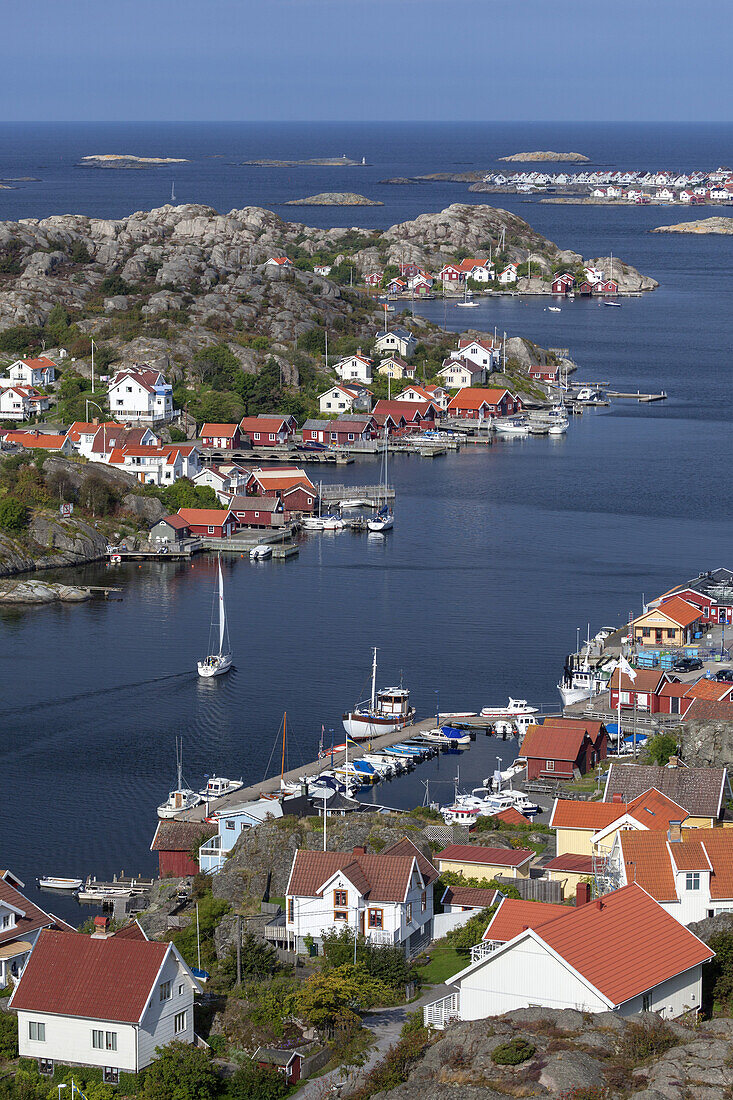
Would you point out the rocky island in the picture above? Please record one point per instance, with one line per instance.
(41, 592)
(126, 160)
(717, 225)
(549, 155)
(334, 198)
(315, 162)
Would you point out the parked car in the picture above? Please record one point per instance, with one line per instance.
(686, 664)
(725, 675)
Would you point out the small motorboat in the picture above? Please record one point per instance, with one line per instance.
(558, 427)
(51, 882)
(313, 523)
(516, 709)
(355, 503)
(447, 736)
(515, 425)
(333, 523)
(182, 798)
(554, 309)
(260, 552)
(609, 302)
(218, 786)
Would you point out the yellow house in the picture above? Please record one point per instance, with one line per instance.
(673, 623)
(394, 367)
(569, 870)
(475, 861)
(591, 828)
(702, 791)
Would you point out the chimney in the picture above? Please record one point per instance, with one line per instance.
(582, 894)
(673, 762)
(95, 420)
(101, 928)
(616, 797)
(674, 832)
(359, 850)
(598, 903)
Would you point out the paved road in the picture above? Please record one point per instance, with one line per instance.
(385, 1024)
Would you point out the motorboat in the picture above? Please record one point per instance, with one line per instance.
(554, 309)
(182, 798)
(515, 425)
(384, 519)
(313, 523)
(459, 813)
(217, 663)
(385, 711)
(608, 302)
(516, 715)
(260, 552)
(333, 523)
(355, 503)
(51, 882)
(383, 764)
(360, 770)
(217, 786)
(558, 427)
(448, 737)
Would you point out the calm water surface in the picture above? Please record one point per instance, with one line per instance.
(497, 555)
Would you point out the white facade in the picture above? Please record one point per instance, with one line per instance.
(508, 275)
(478, 354)
(340, 904)
(397, 341)
(36, 372)
(355, 368)
(693, 901)
(21, 402)
(110, 1044)
(458, 376)
(336, 400)
(140, 397)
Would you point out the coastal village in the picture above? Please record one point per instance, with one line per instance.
(641, 188)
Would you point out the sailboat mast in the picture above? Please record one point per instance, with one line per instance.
(222, 612)
(282, 765)
(374, 680)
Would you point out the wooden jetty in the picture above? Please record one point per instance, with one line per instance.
(638, 396)
(285, 550)
(374, 494)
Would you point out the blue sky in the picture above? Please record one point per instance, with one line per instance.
(366, 59)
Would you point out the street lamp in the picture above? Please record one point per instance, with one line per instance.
(60, 1087)
(87, 403)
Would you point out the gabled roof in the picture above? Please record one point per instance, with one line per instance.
(406, 847)
(228, 430)
(263, 424)
(69, 974)
(647, 680)
(179, 836)
(714, 690)
(555, 742)
(212, 517)
(377, 877)
(411, 410)
(289, 477)
(255, 504)
(29, 917)
(473, 897)
(178, 523)
(477, 853)
(676, 609)
(37, 441)
(650, 859)
(577, 864)
(516, 914)
(710, 709)
(131, 931)
(400, 332)
(511, 816)
(699, 790)
(473, 397)
(36, 364)
(568, 813)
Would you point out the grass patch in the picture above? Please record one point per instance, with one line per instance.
(444, 963)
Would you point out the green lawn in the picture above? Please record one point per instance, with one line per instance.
(444, 963)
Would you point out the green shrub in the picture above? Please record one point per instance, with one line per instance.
(113, 285)
(513, 1053)
(253, 1082)
(8, 1036)
(642, 1041)
(13, 514)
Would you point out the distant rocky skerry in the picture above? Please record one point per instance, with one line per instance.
(717, 225)
(549, 155)
(334, 198)
(312, 162)
(126, 160)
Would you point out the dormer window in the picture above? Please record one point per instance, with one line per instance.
(692, 880)
(7, 920)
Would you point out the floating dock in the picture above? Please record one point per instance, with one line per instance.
(638, 396)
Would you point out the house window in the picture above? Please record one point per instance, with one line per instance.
(408, 912)
(340, 914)
(423, 901)
(646, 632)
(646, 1002)
(36, 1031)
(692, 880)
(165, 991)
(97, 1040)
(340, 899)
(671, 633)
(210, 530)
(229, 824)
(110, 1040)
(376, 918)
(550, 765)
(179, 1023)
(6, 920)
(291, 910)
(625, 697)
(111, 1075)
(45, 1067)
(256, 435)
(272, 435)
(181, 989)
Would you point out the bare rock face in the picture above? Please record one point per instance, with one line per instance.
(706, 743)
(704, 225)
(41, 592)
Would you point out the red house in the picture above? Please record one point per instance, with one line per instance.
(545, 373)
(174, 841)
(563, 748)
(225, 437)
(267, 431)
(341, 433)
(258, 511)
(586, 289)
(563, 284)
(374, 278)
(607, 286)
(289, 484)
(642, 693)
(473, 403)
(218, 523)
(416, 414)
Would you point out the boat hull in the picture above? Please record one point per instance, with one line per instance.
(60, 883)
(380, 525)
(362, 727)
(208, 669)
(570, 695)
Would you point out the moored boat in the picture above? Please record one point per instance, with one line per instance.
(385, 711)
(51, 882)
(217, 786)
(515, 425)
(182, 798)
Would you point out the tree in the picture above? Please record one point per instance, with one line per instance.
(660, 747)
(253, 1082)
(113, 286)
(338, 994)
(384, 962)
(181, 1072)
(8, 1036)
(184, 494)
(13, 514)
(469, 934)
(217, 365)
(96, 495)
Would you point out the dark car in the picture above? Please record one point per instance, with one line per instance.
(724, 674)
(686, 664)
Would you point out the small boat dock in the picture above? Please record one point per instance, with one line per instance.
(638, 396)
(372, 494)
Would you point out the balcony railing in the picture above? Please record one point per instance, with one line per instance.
(439, 1013)
(481, 950)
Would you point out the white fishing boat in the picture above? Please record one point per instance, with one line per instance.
(385, 711)
(261, 552)
(582, 682)
(558, 427)
(218, 663)
(218, 786)
(384, 519)
(182, 798)
(515, 710)
(51, 882)
(514, 425)
(458, 813)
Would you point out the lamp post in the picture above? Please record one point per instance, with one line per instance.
(87, 403)
(60, 1087)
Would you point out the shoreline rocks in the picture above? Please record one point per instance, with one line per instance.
(126, 160)
(720, 225)
(41, 592)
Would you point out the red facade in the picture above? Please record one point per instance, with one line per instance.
(233, 442)
(256, 517)
(176, 865)
(555, 767)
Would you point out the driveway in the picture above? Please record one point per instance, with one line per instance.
(385, 1025)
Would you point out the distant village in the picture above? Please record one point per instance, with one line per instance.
(642, 188)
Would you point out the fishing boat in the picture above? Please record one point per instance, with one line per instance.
(218, 786)
(516, 710)
(515, 425)
(218, 663)
(384, 519)
(580, 680)
(385, 711)
(558, 426)
(51, 882)
(182, 798)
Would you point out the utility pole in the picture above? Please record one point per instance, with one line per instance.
(92, 366)
(326, 332)
(239, 949)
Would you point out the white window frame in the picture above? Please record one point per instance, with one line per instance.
(36, 1031)
(165, 991)
(549, 765)
(179, 1022)
(692, 880)
(97, 1039)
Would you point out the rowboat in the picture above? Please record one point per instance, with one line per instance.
(51, 882)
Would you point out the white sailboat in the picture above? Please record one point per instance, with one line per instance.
(467, 302)
(218, 663)
(385, 711)
(173, 192)
(384, 519)
(182, 798)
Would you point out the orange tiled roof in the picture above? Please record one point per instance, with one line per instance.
(514, 915)
(473, 397)
(212, 517)
(680, 611)
(709, 689)
(570, 814)
(476, 853)
(655, 810)
(511, 816)
(648, 859)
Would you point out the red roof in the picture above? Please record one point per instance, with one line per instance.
(32, 917)
(568, 813)
(69, 974)
(229, 430)
(515, 914)
(511, 816)
(709, 689)
(680, 611)
(383, 877)
(476, 853)
(212, 517)
(37, 441)
(411, 410)
(470, 897)
(177, 522)
(263, 424)
(648, 859)
(39, 364)
(550, 742)
(578, 865)
(473, 397)
(601, 942)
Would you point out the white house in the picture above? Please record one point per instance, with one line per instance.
(458, 374)
(20, 925)
(396, 341)
(475, 351)
(508, 275)
(30, 372)
(387, 898)
(354, 368)
(22, 402)
(232, 822)
(322, 269)
(156, 465)
(226, 481)
(340, 399)
(278, 261)
(394, 367)
(102, 1000)
(591, 958)
(437, 394)
(141, 395)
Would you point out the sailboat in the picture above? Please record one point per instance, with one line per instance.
(467, 302)
(182, 798)
(385, 711)
(173, 191)
(217, 663)
(384, 519)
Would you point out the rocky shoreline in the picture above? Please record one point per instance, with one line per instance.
(718, 225)
(548, 155)
(41, 592)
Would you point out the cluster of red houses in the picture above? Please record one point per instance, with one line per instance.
(654, 691)
(265, 430)
(565, 283)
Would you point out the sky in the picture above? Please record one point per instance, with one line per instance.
(232, 60)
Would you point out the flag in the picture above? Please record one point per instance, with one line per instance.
(625, 667)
